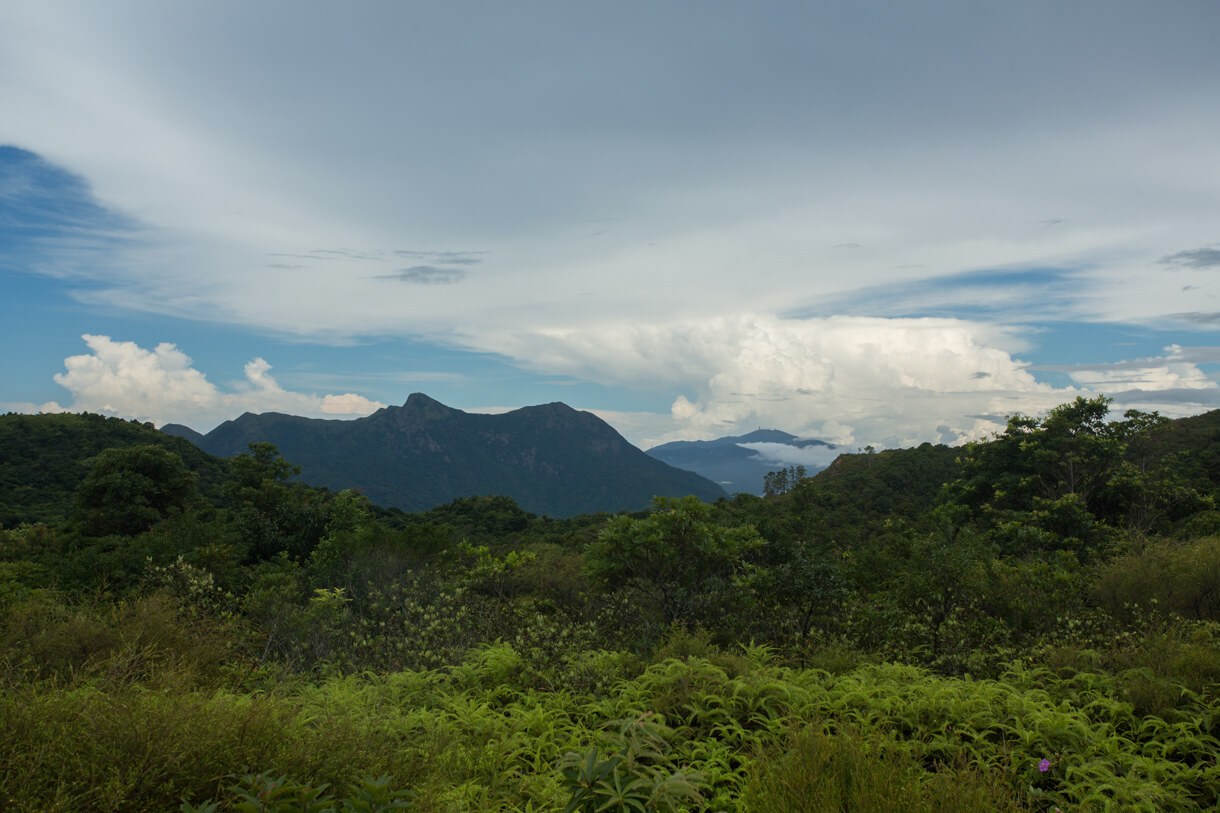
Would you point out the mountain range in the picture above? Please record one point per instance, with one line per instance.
(551, 459)
(739, 463)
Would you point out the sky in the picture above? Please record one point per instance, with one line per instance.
(872, 223)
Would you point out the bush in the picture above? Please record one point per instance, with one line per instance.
(814, 770)
(1182, 578)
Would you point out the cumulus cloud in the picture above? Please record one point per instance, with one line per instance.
(161, 385)
(845, 380)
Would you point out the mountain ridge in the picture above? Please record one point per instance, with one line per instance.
(550, 458)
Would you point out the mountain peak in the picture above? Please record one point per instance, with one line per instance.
(428, 408)
(421, 400)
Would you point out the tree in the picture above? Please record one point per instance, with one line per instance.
(677, 558)
(782, 481)
(802, 580)
(274, 515)
(129, 490)
(1071, 479)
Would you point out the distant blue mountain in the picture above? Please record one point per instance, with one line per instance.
(736, 467)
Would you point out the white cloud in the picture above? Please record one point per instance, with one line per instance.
(123, 378)
(160, 385)
(349, 404)
(846, 380)
(812, 457)
(30, 408)
(841, 379)
(1176, 370)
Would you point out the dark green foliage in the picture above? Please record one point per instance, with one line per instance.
(273, 515)
(144, 640)
(1072, 479)
(130, 490)
(633, 773)
(847, 770)
(1194, 444)
(801, 582)
(676, 560)
(260, 793)
(1180, 578)
(856, 494)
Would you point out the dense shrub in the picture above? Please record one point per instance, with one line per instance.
(1177, 577)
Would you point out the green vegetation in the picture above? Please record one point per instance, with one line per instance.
(1029, 623)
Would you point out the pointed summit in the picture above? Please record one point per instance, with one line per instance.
(428, 408)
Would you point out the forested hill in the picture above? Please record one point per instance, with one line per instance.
(856, 495)
(551, 459)
(43, 458)
(1138, 472)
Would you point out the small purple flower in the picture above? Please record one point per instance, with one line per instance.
(1044, 765)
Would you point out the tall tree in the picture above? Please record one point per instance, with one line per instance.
(127, 491)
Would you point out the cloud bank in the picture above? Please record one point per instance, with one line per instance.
(889, 382)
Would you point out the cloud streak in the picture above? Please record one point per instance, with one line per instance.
(429, 275)
(1208, 257)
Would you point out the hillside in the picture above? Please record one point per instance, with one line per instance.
(43, 458)
(550, 459)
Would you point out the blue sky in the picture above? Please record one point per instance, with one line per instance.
(881, 223)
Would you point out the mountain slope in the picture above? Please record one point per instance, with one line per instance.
(551, 458)
(727, 462)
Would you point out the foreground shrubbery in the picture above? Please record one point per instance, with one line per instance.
(697, 728)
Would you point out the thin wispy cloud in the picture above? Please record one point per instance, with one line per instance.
(1204, 319)
(1208, 257)
(444, 257)
(429, 275)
